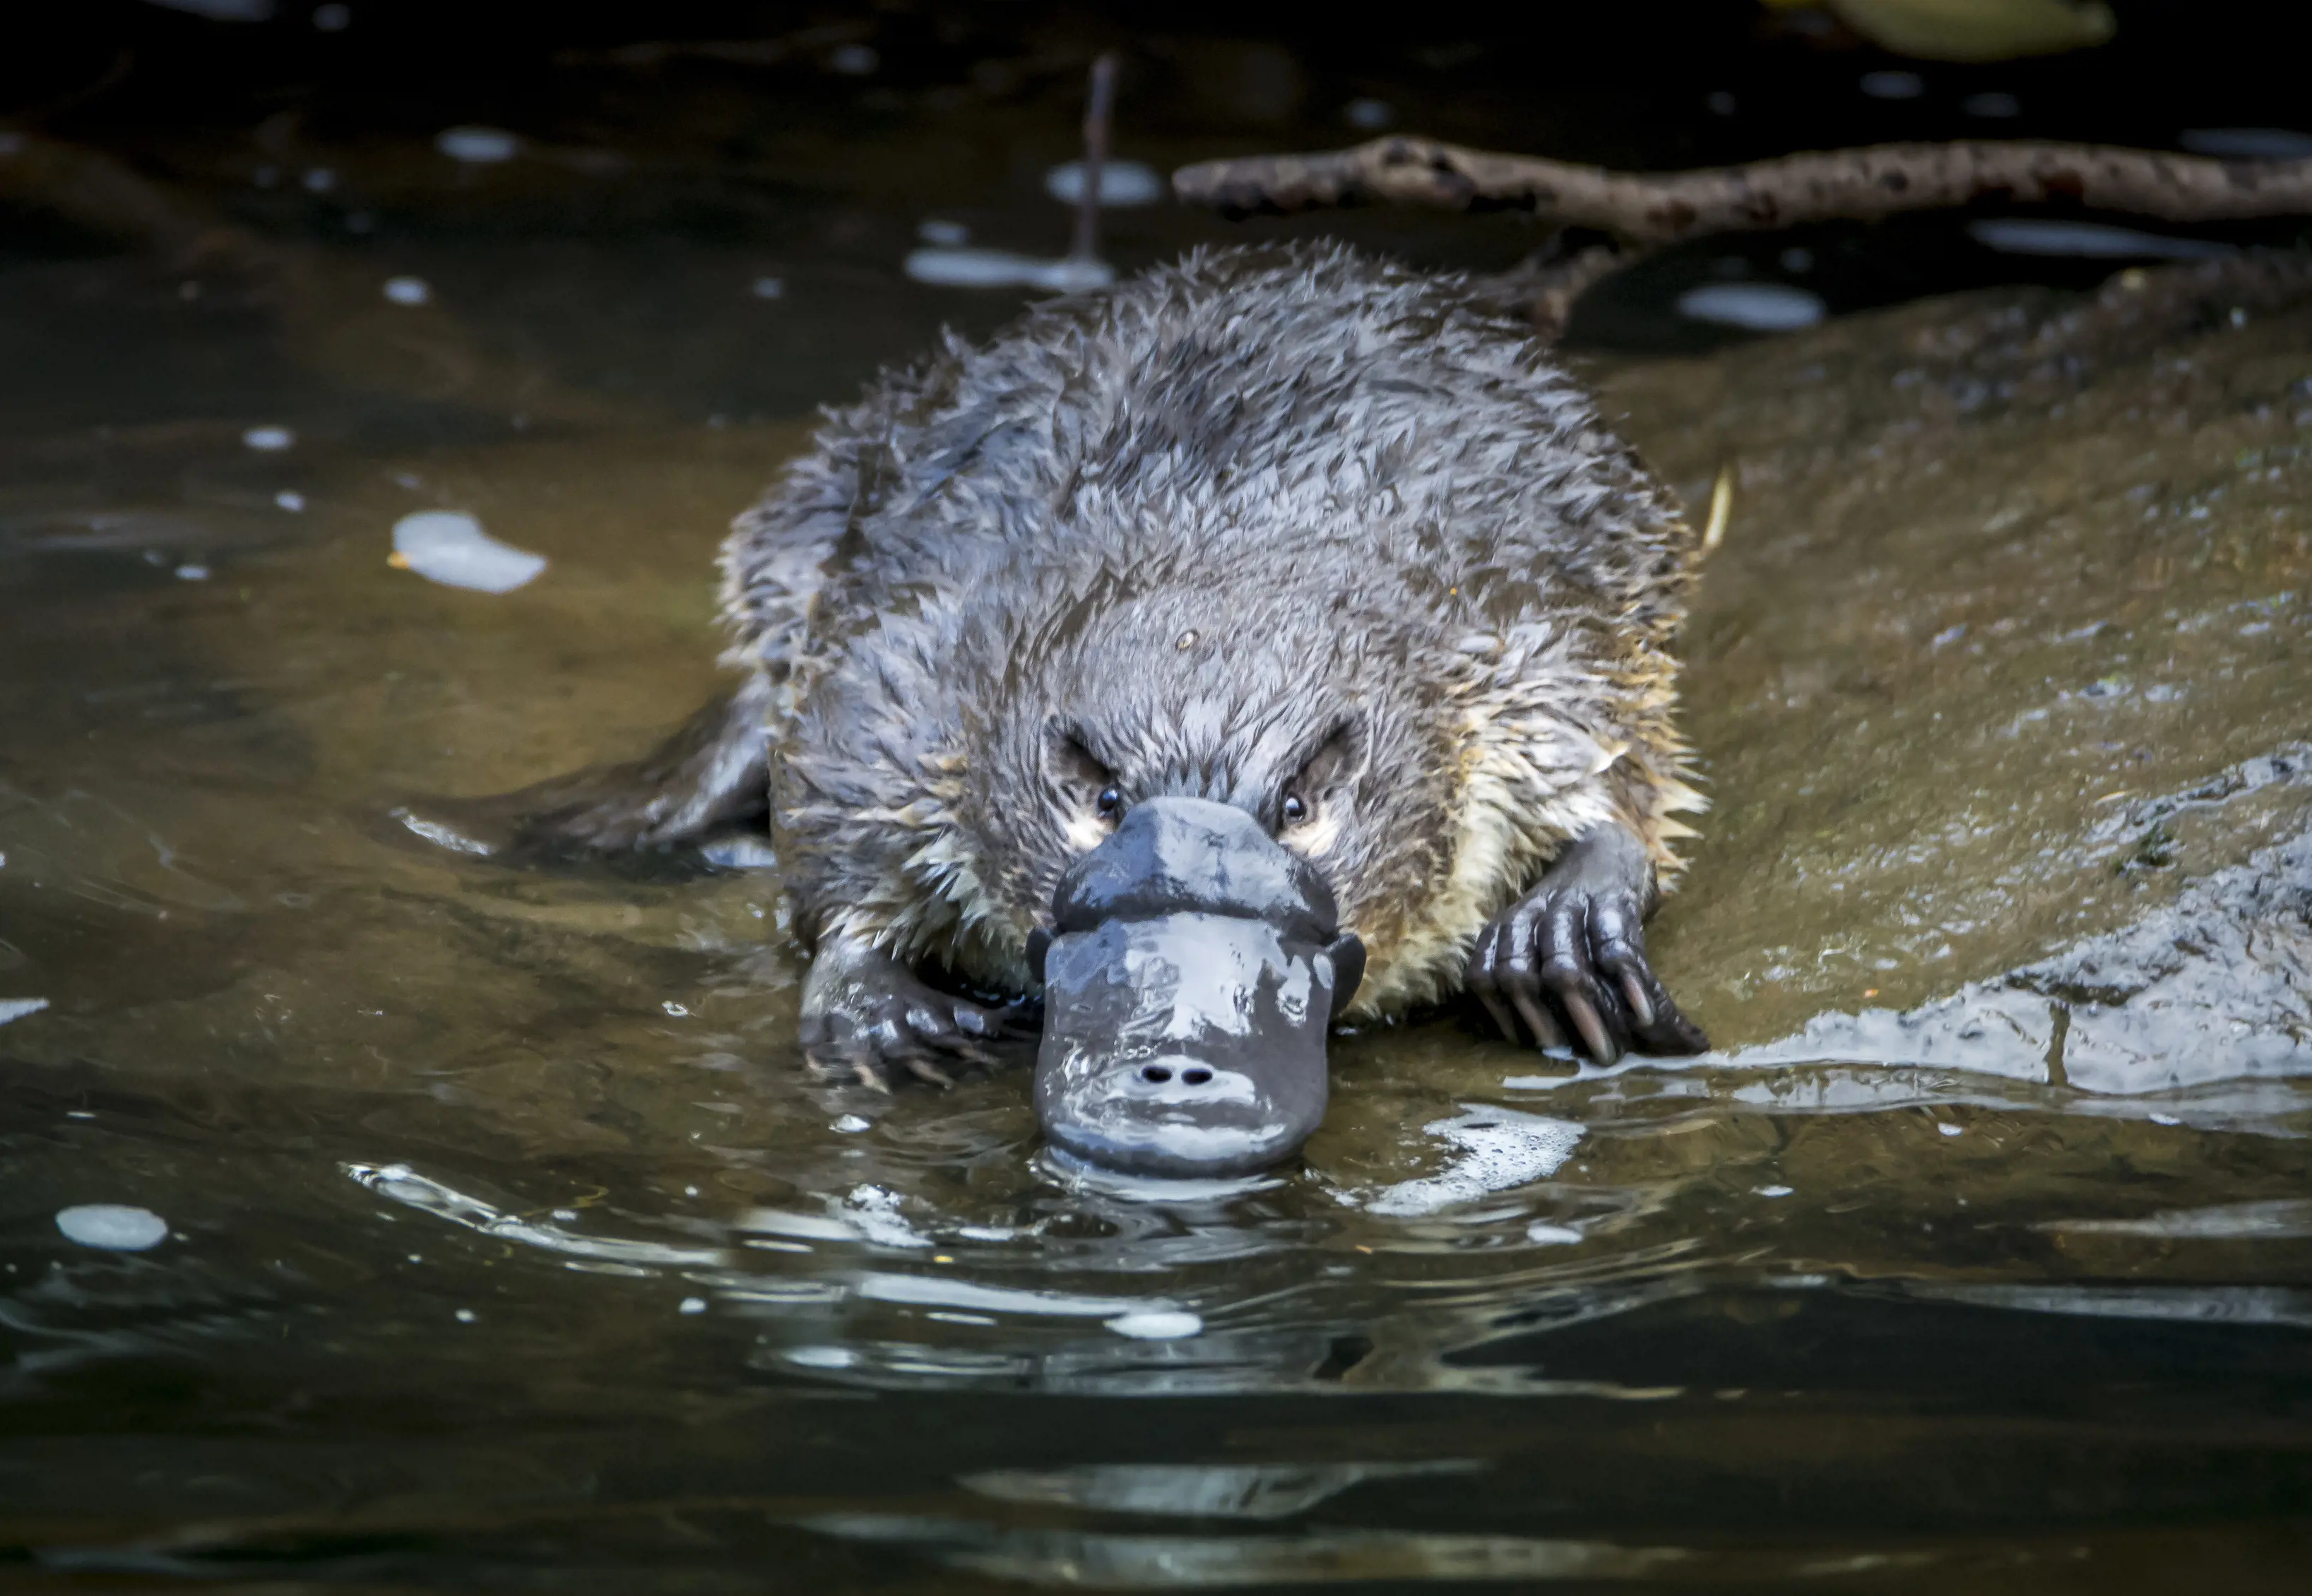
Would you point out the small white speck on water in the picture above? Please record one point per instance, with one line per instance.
(674, 1008)
(692, 1304)
(690, 1190)
(1776, 1191)
(290, 499)
(113, 1226)
(1892, 85)
(1122, 183)
(80, 1113)
(268, 439)
(467, 1316)
(409, 290)
(417, 1258)
(1552, 1236)
(1157, 1324)
(853, 1124)
(1952, 1130)
(2166, 1120)
(477, 146)
(566, 1216)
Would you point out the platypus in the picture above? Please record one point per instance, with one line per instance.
(1280, 587)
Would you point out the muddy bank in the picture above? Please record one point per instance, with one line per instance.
(2001, 683)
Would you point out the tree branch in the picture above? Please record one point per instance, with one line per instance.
(1653, 209)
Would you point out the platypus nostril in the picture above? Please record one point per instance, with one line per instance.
(1197, 1076)
(1156, 1073)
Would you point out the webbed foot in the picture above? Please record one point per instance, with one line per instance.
(867, 1017)
(1570, 959)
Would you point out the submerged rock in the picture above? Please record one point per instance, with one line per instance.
(1999, 680)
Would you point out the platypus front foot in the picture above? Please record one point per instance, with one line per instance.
(866, 1017)
(1570, 957)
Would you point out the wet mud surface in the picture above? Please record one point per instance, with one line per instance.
(507, 1247)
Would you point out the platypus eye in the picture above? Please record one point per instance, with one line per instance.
(1296, 809)
(1110, 802)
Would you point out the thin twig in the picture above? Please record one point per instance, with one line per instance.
(1655, 208)
(1098, 107)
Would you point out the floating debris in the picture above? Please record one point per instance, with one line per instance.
(999, 269)
(268, 439)
(1157, 1326)
(1758, 307)
(16, 1009)
(409, 291)
(2092, 241)
(113, 1226)
(2247, 144)
(477, 146)
(449, 546)
(1122, 183)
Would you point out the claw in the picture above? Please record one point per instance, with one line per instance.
(1642, 1007)
(1547, 1032)
(923, 1069)
(1579, 1010)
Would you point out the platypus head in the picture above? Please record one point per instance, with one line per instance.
(1229, 797)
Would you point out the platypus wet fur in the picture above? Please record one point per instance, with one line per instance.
(1290, 529)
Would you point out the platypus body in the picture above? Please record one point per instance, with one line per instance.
(1281, 585)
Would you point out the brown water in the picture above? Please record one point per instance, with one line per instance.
(509, 1249)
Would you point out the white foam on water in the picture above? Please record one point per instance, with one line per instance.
(114, 1227)
(477, 146)
(1758, 306)
(2090, 240)
(409, 290)
(1122, 183)
(943, 267)
(268, 439)
(16, 1009)
(1157, 1326)
(2247, 144)
(449, 546)
(1499, 1149)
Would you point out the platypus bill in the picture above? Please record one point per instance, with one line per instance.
(1276, 637)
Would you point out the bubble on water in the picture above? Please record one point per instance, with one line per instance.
(1157, 1325)
(675, 1009)
(1776, 1190)
(1121, 183)
(1499, 1149)
(1892, 85)
(2090, 240)
(1000, 268)
(268, 439)
(1758, 307)
(851, 1124)
(16, 1009)
(449, 546)
(117, 1227)
(477, 146)
(691, 1304)
(1952, 1130)
(192, 573)
(467, 1316)
(409, 291)
(2247, 144)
